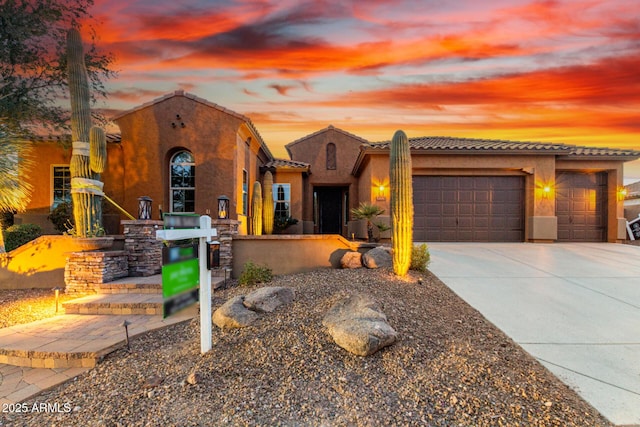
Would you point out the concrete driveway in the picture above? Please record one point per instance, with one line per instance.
(575, 307)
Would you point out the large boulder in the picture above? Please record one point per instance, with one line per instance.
(351, 259)
(267, 299)
(377, 257)
(357, 324)
(233, 314)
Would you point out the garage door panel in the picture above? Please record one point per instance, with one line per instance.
(474, 208)
(465, 209)
(481, 209)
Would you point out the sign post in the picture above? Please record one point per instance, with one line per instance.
(204, 233)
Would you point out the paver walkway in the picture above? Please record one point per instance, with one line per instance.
(42, 354)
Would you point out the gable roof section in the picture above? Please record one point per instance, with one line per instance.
(286, 164)
(242, 117)
(321, 131)
(453, 145)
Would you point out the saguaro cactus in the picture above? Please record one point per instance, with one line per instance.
(267, 204)
(89, 154)
(256, 207)
(401, 203)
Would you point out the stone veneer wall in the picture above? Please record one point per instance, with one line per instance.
(84, 271)
(142, 256)
(145, 252)
(227, 229)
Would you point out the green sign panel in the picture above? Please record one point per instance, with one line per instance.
(180, 277)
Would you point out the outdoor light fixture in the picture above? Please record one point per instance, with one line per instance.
(57, 292)
(622, 193)
(213, 255)
(223, 207)
(126, 324)
(144, 207)
(380, 196)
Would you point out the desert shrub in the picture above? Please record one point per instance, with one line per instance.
(6, 219)
(18, 235)
(62, 217)
(253, 273)
(420, 258)
(281, 223)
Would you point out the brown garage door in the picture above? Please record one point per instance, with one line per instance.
(468, 208)
(581, 206)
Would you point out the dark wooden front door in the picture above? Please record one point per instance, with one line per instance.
(330, 209)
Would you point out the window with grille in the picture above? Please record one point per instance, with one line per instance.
(182, 186)
(61, 186)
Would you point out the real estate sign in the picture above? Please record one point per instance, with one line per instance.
(180, 277)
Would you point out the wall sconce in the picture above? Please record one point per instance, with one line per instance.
(144, 207)
(223, 207)
(622, 193)
(213, 255)
(546, 191)
(380, 196)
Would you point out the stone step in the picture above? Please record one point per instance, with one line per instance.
(129, 288)
(116, 304)
(75, 341)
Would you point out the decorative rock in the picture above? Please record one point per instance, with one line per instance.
(351, 259)
(378, 257)
(357, 324)
(194, 378)
(267, 299)
(233, 314)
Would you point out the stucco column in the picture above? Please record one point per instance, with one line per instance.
(542, 222)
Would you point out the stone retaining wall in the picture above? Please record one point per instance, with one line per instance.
(86, 270)
(227, 230)
(141, 256)
(145, 252)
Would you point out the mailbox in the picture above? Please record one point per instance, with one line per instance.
(213, 255)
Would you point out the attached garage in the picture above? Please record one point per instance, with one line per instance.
(581, 206)
(468, 208)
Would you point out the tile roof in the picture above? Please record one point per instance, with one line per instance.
(492, 146)
(276, 163)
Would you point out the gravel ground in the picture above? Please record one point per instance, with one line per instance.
(28, 305)
(450, 367)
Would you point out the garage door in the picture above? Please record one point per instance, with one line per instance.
(581, 206)
(468, 208)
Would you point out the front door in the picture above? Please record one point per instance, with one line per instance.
(330, 207)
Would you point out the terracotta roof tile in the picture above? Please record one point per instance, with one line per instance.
(440, 143)
(287, 163)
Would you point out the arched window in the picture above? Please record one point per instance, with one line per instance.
(331, 156)
(182, 184)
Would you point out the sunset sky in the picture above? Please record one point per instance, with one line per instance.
(563, 71)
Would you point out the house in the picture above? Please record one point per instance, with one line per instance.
(185, 152)
(632, 201)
